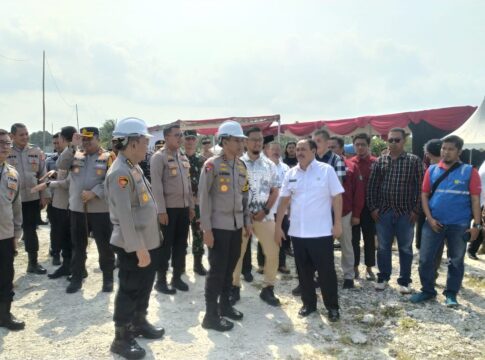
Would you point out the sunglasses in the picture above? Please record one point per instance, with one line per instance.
(206, 143)
(394, 140)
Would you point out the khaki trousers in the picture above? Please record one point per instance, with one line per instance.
(347, 254)
(264, 231)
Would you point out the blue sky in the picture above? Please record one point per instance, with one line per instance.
(187, 59)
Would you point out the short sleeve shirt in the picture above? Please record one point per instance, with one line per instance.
(263, 176)
(311, 193)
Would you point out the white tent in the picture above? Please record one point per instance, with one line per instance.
(473, 130)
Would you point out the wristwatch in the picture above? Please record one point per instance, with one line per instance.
(478, 226)
(266, 211)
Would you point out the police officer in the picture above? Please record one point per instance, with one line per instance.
(169, 169)
(223, 198)
(136, 237)
(58, 184)
(89, 209)
(10, 232)
(196, 162)
(29, 161)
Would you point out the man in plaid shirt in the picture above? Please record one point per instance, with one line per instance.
(393, 197)
(324, 154)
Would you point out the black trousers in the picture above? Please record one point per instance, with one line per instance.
(247, 265)
(60, 232)
(100, 225)
(55, 247)
(419, 229)
(30, 216)
(285, 244)
(135, 285)
(174, 245)
(223, 258)
(368, 227)
(316, 254)
(6, 270)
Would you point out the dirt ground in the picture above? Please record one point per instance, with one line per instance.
(373, 325)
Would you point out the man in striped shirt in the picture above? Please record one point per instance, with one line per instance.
(393, 198)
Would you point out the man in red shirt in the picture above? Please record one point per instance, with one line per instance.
(353, 203)
(364, 160)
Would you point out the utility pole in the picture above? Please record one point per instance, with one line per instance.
(43, 100)
(77, 119)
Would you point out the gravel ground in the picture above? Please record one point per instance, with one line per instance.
(373, 325)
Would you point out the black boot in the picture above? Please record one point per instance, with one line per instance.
(125, 345)
(227, 310)
(34, 267)
(212, 320)
(7, 320)
(198, 266)
(107, 281)
(162, 286)
(61, 271)
(141, 327)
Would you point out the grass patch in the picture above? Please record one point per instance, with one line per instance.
(391, 311)
(406, 324)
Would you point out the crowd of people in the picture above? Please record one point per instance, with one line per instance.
(139, 207)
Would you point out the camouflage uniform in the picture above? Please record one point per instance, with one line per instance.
(196, 162)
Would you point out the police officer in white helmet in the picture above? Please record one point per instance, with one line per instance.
(136, 237)
(223, 199)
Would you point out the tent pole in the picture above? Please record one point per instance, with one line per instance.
(279, 130)
(471, 155)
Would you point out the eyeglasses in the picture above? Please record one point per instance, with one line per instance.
(256, 140)
(206, 143)
(394, 140)
(5, 143)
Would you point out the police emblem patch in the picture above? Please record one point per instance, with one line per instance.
(122, 181)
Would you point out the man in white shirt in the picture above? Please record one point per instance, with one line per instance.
(314, 190)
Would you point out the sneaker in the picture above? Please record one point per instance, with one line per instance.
(369, 276)
(420, 297)
(450, 300)
(472, 256)
(405, 290)
(381, 285)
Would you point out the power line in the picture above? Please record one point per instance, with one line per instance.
(57, 87)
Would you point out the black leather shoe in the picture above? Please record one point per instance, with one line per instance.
(7, 320)
(60, 272)
(267, 295)
(248, 277)
(217, 323)
(333, 315)
(348, 284)
(74, 286)
(230, 312)
(36, 268)
(163, 288)
(306, 310)
(296, 291)
(141, 327)
(179, 284)
(235, 295)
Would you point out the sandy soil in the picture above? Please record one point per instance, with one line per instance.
(373, 325)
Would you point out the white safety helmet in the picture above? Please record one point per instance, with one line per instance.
(130, 127)
(230, 128)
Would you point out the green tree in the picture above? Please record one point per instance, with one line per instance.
(106, 132)
(36, 138)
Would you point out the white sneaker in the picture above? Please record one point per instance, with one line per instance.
(404, 290)
(381, 285)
